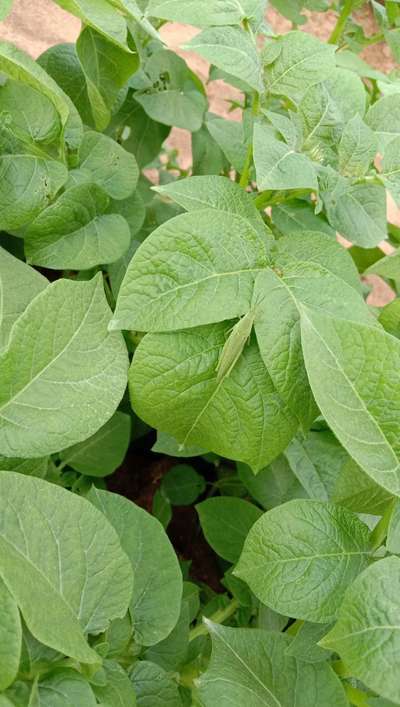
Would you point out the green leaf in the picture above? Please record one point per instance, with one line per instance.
(391, 168)
(327, 457)
(118, 690)
(389, 317)
(303, 273)
(393, 533)
(102, 16)
(166, 444)
(10, 637)
(384, 118)
(107, 69)
(132, 210)
(33, 467)
(34, 654)
(175, 97)
(208, 158)
(304, 469)
(110, 166)
(254, 665)
(300, 557)
(273, 485)
(324, 111)
(357, 211)
(182, 485)
(102, 453)
(65, 687)
(80, 583)
(27, 185)
(205, 13)
(296, 215)
(117, 270)
(19, 284)
(181, 366)
(161, 509)
(145, 136)
(30, 114)
(304, 645)
(171, 653)
(5, 8)
(75, 232)
(388, 267)
(157, 591)
(154, 686)
(226, 522)
(205, 192)
(168, 286)
(62, 64)
(65, 358)
(357, 149)
(363, 423)
(299, 61)
(20, 67)
(229, 136)
(232, 50)
(366, 635)
(279, 166)
(355, 490)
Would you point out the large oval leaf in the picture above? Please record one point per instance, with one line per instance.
(195, 269)
(60, 360)
(367, 635)
(354, 374)
(156, 599)
(75, 232)
(173, 386)
(63, 563)
(300, 557)
(252, 667)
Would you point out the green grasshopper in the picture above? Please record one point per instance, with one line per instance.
(234, 345)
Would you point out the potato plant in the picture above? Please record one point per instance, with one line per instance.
(209, 318)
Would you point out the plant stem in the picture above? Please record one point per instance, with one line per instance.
(218, 617)
(379, 533)
(245, 176)
(341, 22)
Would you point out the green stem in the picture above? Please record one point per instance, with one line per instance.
(379, 533)
(341, 22)
(218, 617)
(356, 697)
(245, 176)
